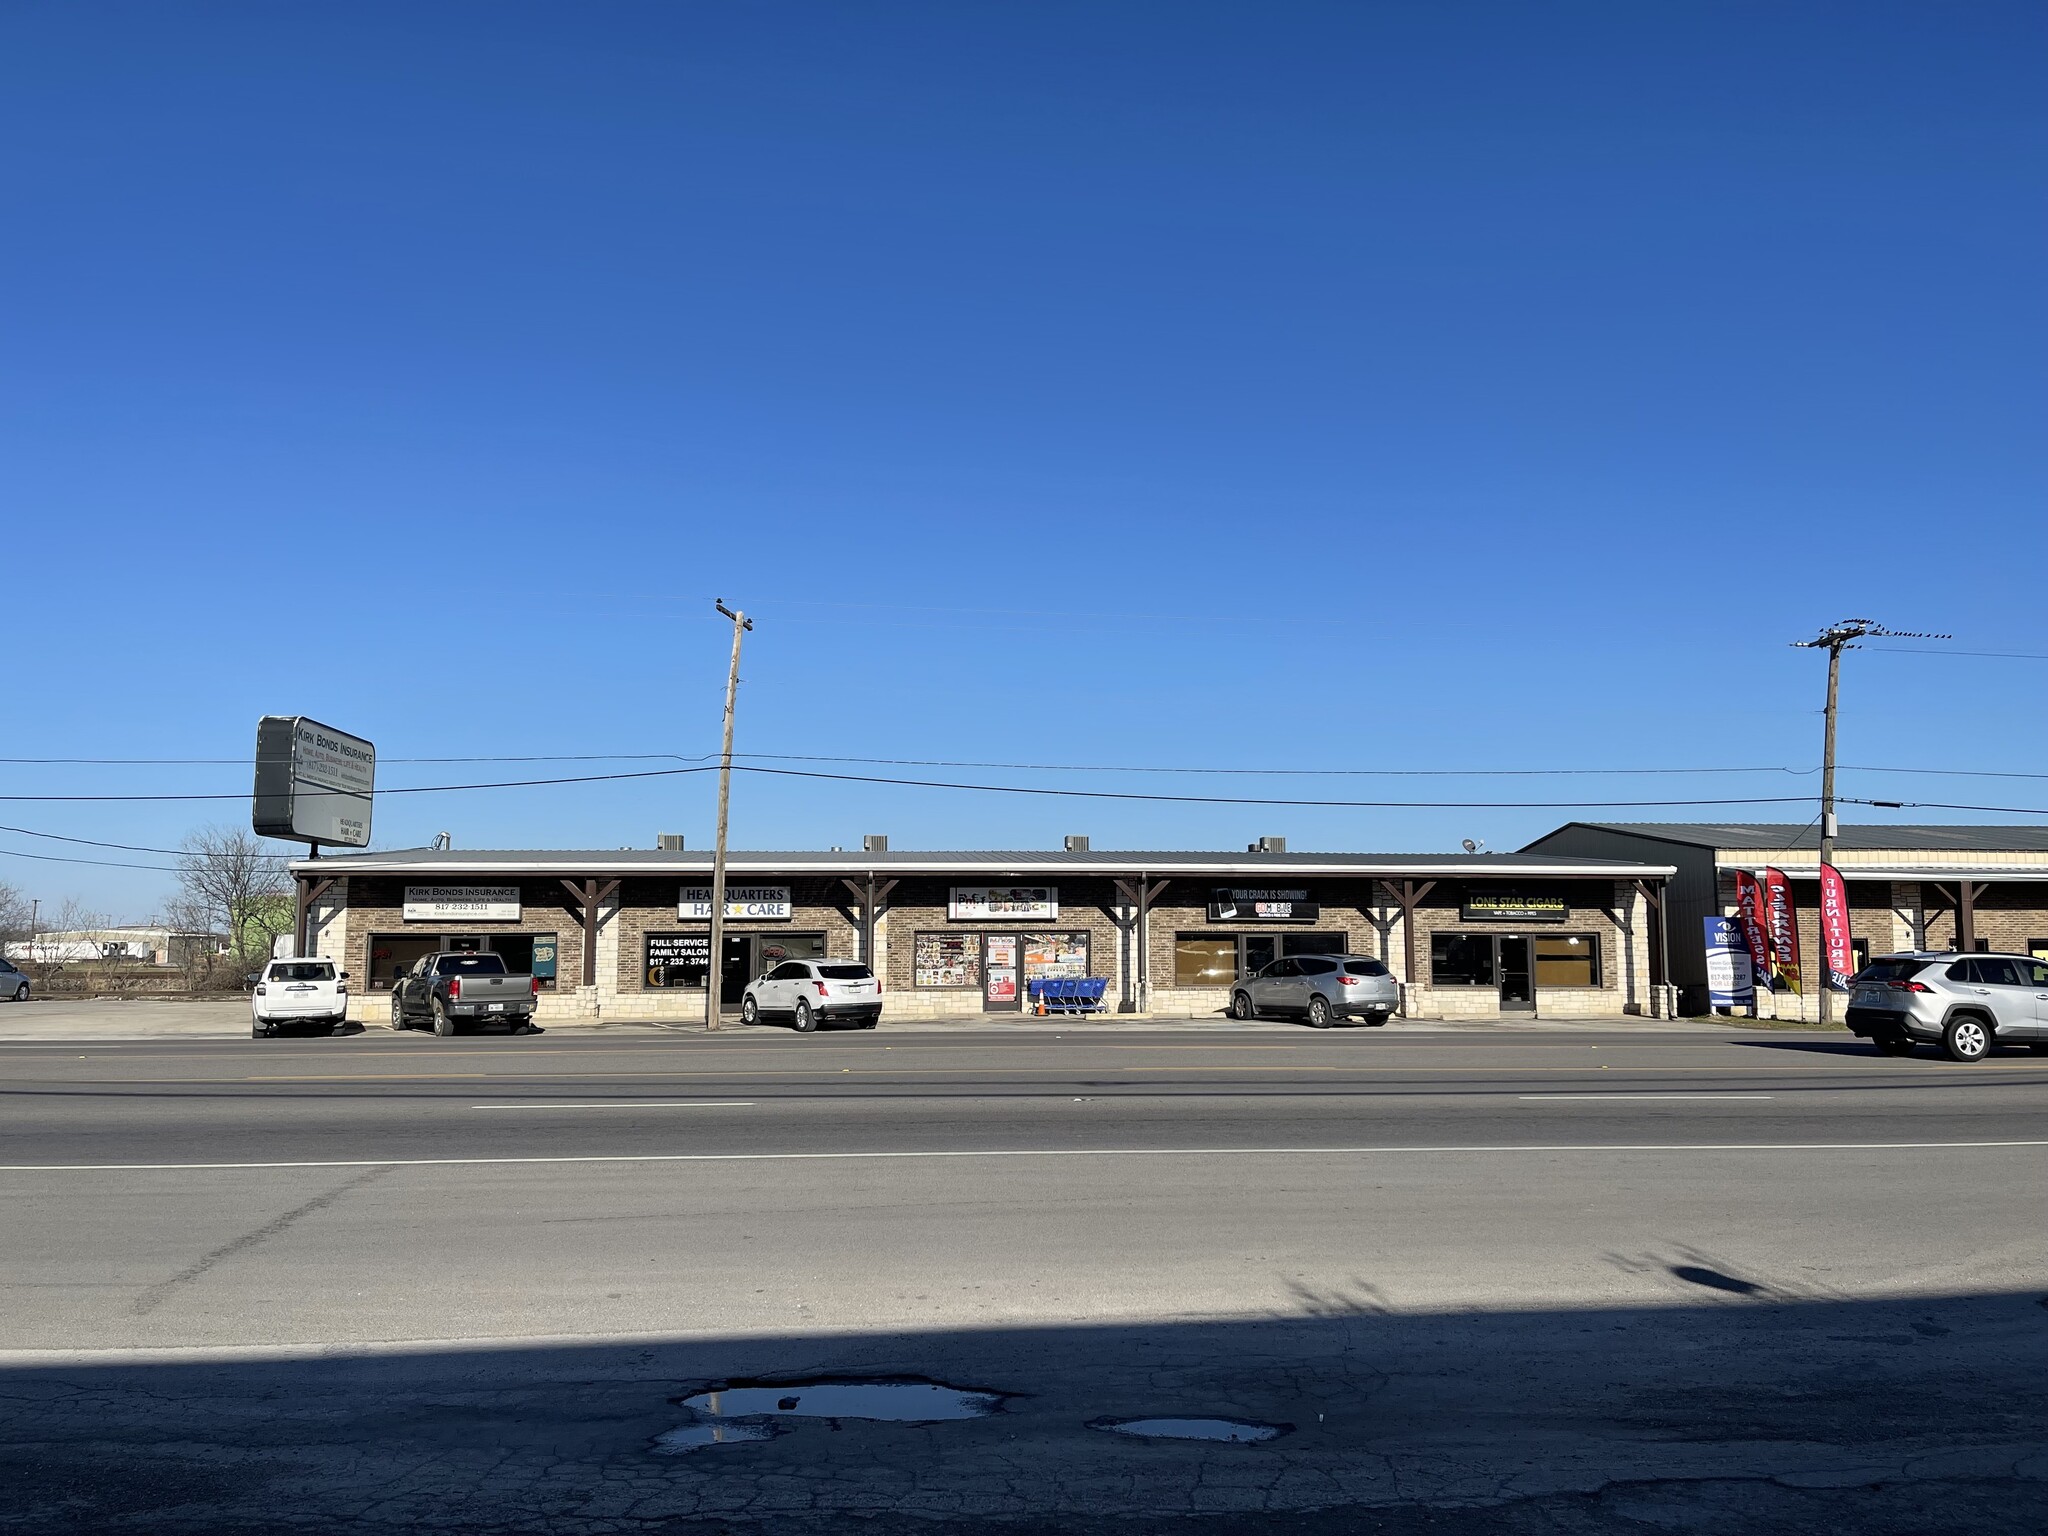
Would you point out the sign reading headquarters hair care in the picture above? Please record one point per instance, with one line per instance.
(1513, 907)
(756, 903)
(1262, 904)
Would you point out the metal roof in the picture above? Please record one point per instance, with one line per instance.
(1933, 837)
(1000, 863)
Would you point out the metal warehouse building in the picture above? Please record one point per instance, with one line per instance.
(1910, 887)
(624, 934)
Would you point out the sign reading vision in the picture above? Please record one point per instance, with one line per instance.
(1514, 907)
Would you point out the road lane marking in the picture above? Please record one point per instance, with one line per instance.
(1583, 1098)
(1003, 1152)
(671, 1104)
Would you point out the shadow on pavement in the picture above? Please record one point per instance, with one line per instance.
(1736, 1408)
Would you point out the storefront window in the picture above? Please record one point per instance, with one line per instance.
(1462, 960)
(1055, 956)
(678, 959)
(1568, 960)
(946, 960)
(1204, 960)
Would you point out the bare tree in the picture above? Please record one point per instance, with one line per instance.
(239, 887)
(14, 915)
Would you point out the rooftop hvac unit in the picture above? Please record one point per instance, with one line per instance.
(670, 842)
(1076, 843)
(875, 842)
(1268, 845)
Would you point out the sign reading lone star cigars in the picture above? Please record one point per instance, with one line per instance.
(314, 784)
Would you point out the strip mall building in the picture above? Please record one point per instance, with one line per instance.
(623, 935)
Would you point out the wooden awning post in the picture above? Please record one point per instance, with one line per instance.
(589, 896)
(311, 889)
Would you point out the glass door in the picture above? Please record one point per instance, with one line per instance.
(999, 964)
(1517, 994)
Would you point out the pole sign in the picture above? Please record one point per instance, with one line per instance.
(1781, 921)
(1728, 977)
(1835, 944)
(314, 784)
(1749, 908)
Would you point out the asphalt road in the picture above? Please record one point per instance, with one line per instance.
(1485, 1281)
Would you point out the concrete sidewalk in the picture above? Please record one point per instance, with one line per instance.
(112, 1020)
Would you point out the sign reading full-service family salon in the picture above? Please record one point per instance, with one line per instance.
(462, 903)
(756, 903)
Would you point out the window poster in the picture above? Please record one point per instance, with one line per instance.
(946, 960)
(1050, 956)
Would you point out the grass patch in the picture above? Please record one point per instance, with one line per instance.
(1837, 1028)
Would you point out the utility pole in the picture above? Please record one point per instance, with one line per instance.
(1835, 639)
(714, 976)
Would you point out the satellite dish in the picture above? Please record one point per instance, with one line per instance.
(1472, 847)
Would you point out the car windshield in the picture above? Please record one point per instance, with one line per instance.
(470, 965)
(845, 972)
(1364, 968)
(303, 970)
(1890, 970)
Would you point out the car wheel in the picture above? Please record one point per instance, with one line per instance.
(1968, 1038)
(443, 1025)
(1319, 1011)
(1893, 1047)
(21, 993)
(1241, 1006)
(1375, 1020)
(398, 1014)
(806, 1021)
(750, 1011)
(257, 1032)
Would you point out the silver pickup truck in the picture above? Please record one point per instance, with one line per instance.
(450, 987)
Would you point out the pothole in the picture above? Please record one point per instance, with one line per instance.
(1231, 1431)
(694, 1437)
(898, 1401)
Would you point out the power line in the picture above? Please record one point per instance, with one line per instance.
(51, 858)
(92, 842)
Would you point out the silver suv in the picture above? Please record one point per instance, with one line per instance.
(1967, 1003)
(1319, 988)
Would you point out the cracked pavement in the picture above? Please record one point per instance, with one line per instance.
(1557, 1341)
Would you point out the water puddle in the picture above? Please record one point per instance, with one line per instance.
(901, 1402)
(1231, 1431)
(694, 1437)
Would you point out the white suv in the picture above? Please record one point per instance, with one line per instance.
(298, 992)
(808, 991)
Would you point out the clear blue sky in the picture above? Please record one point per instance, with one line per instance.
(1426, 385)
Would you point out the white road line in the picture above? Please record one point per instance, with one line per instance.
(1595, 1098)
(854, 1157)
(693, 1104)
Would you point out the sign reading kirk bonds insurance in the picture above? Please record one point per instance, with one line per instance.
(462, 903)
(756, 903)
(1002, 903)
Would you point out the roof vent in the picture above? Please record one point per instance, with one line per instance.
(1076, 843)
(1268, 845)
(875, 842)
(670, 842)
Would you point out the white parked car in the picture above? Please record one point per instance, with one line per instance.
(291, 994)
(808, 992)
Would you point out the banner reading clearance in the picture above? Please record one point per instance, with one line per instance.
(1782, 923)
(1835, 945)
